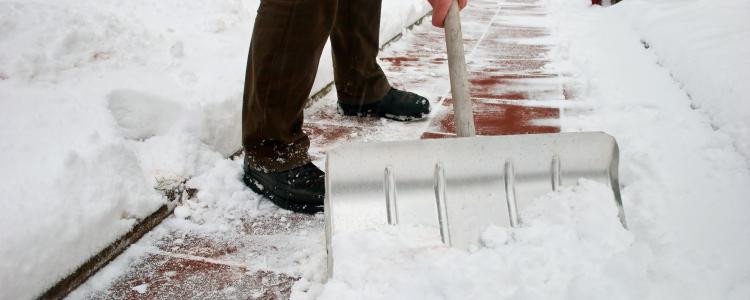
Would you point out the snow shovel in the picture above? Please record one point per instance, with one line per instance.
(458, 186)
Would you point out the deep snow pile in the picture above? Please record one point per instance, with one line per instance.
(706, 47)
(98, 101)
(685, 185)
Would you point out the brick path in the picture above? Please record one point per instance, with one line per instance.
(514, 85)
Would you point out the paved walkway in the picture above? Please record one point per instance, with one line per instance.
(515, 87)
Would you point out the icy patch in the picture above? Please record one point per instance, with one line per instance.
(568, 247)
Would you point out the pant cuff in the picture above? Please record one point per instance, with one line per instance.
(364, 95)
(270, 156)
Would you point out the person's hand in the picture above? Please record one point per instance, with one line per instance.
(440, 10)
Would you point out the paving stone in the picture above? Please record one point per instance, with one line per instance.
(197, 245)
(281, 223)
(157, 276)
(504, 119)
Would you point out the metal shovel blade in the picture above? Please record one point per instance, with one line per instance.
(459, 186)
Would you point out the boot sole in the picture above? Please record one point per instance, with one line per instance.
(371, 114)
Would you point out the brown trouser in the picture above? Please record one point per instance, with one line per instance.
(288, 38)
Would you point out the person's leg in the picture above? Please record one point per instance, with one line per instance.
(288, 38)
(355, 42)
(361, 85)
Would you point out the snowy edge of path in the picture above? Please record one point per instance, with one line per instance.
(175, 191)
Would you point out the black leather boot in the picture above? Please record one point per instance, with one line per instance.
(301, 189)
(396, 104)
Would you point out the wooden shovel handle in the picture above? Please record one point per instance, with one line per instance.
(462, 108)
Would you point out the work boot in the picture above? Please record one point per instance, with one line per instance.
(301, 189)
(396, 104)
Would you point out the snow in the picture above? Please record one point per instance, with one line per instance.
(223, 199)
(103, 100)
(570, 240)
(684, 176)
(141, 289)
(685, 184)
(704, 45)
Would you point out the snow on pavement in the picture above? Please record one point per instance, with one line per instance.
(685, 185)
(704, 45)
(103, 100)
(85, 83)
(568, 247)
(219, 238)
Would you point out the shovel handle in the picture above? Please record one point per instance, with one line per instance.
(462, 108)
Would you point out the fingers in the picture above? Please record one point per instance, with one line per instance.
(439, 12)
